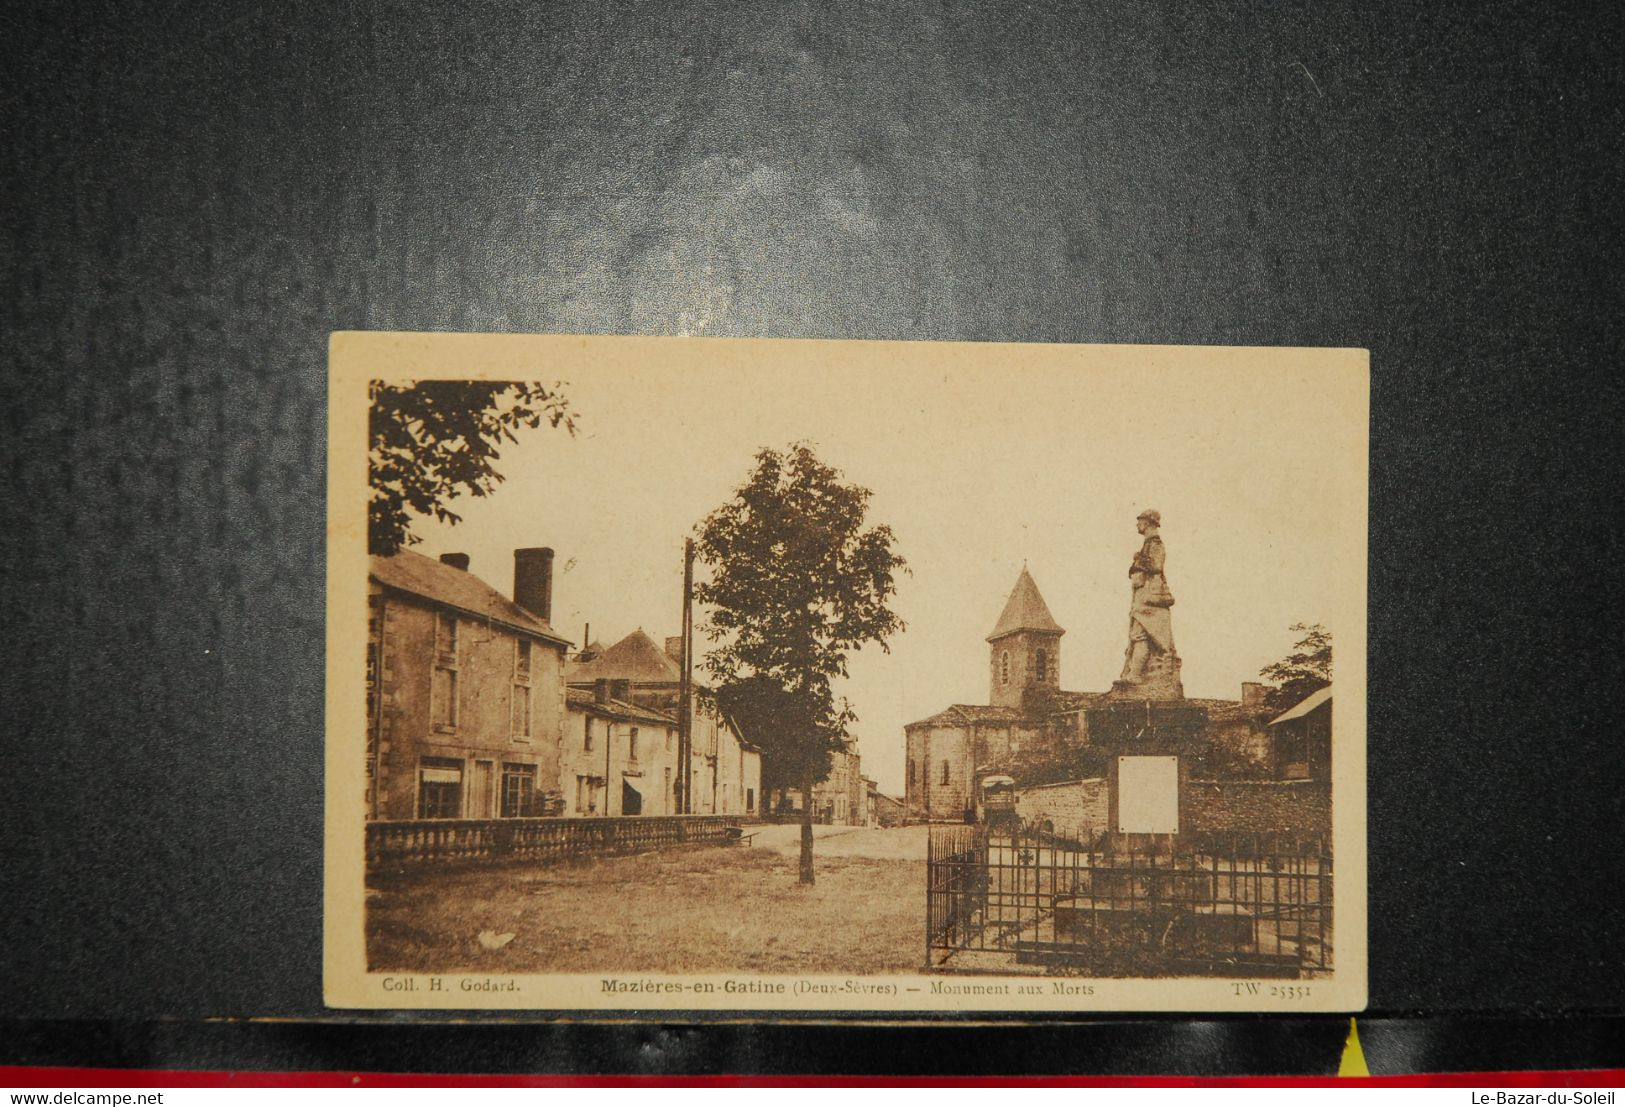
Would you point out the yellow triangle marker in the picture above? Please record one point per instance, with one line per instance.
(1353, 1063)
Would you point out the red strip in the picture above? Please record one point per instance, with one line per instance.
(32, 1077)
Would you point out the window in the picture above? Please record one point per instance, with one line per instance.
(586, 732)
(443, 682)
(440, 788)
(945, 772)
(668, 739)
(632, 745)
(443, 696)
(445, 636)
(1043, 666)
(521, 711)
(1004, 667)
(521, 688)
(518, 790)
(750, 799)
(913, 771)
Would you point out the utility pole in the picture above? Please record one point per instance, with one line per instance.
(685, 695)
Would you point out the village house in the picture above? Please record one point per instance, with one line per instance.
(884, 810)
(726, 769)
(833, 797)
(1300, 745)
(465, 690)
(618, 758)
(839, 798)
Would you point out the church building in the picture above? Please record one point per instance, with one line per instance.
(1026, 710)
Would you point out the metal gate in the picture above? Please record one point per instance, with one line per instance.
(1128, 905)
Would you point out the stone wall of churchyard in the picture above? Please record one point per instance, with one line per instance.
(1298, 806)
(1070, 807)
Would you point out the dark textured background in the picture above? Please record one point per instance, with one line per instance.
(196, 198)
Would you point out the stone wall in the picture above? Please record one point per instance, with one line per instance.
(1071, 806)
(1299, 806)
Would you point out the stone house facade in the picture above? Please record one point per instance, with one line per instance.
(465, 690)
(617, 758)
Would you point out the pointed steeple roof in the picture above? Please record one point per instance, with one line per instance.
(1025, 610)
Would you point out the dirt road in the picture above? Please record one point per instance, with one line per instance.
(904, 843)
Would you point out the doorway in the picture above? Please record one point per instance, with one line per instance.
(480, 790)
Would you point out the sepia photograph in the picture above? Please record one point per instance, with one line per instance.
(723, 674)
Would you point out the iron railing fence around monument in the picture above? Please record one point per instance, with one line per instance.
(1201, 903)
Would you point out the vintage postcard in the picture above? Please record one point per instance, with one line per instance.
(730, 675)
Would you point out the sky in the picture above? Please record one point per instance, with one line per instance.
(981, 459)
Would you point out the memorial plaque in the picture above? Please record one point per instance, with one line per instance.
(1148, 795)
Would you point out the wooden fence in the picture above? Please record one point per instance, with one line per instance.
(399, 845)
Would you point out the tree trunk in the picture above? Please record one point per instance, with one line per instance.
(806, 833)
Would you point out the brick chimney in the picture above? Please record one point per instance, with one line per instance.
(600, 690)
(533, 581)
(1252, 695)
(674, 648)
(455, 560)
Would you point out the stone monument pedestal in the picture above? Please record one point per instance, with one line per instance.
(1138, 731)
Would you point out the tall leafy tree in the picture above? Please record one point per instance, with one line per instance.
(432, 441)
(797, 582)
(1304, 671)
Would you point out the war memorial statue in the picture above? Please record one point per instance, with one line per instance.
(1150, 663)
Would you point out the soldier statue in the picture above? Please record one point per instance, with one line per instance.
(1150, 658)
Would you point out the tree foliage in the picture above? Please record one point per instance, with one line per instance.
(432, 441)
(796, 583)
(1304, 671)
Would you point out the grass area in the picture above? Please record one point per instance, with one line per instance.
(701, 909)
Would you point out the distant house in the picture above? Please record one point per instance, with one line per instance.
(839, 798)
(465, 690)
(833, 797)
(1301, 739)
(618, 758)
(726, 769)
(883, 809)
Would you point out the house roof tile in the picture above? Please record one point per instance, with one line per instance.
(434, 580)
(580, 700)
(636, 658)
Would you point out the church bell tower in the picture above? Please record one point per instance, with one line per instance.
(1025, 646)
